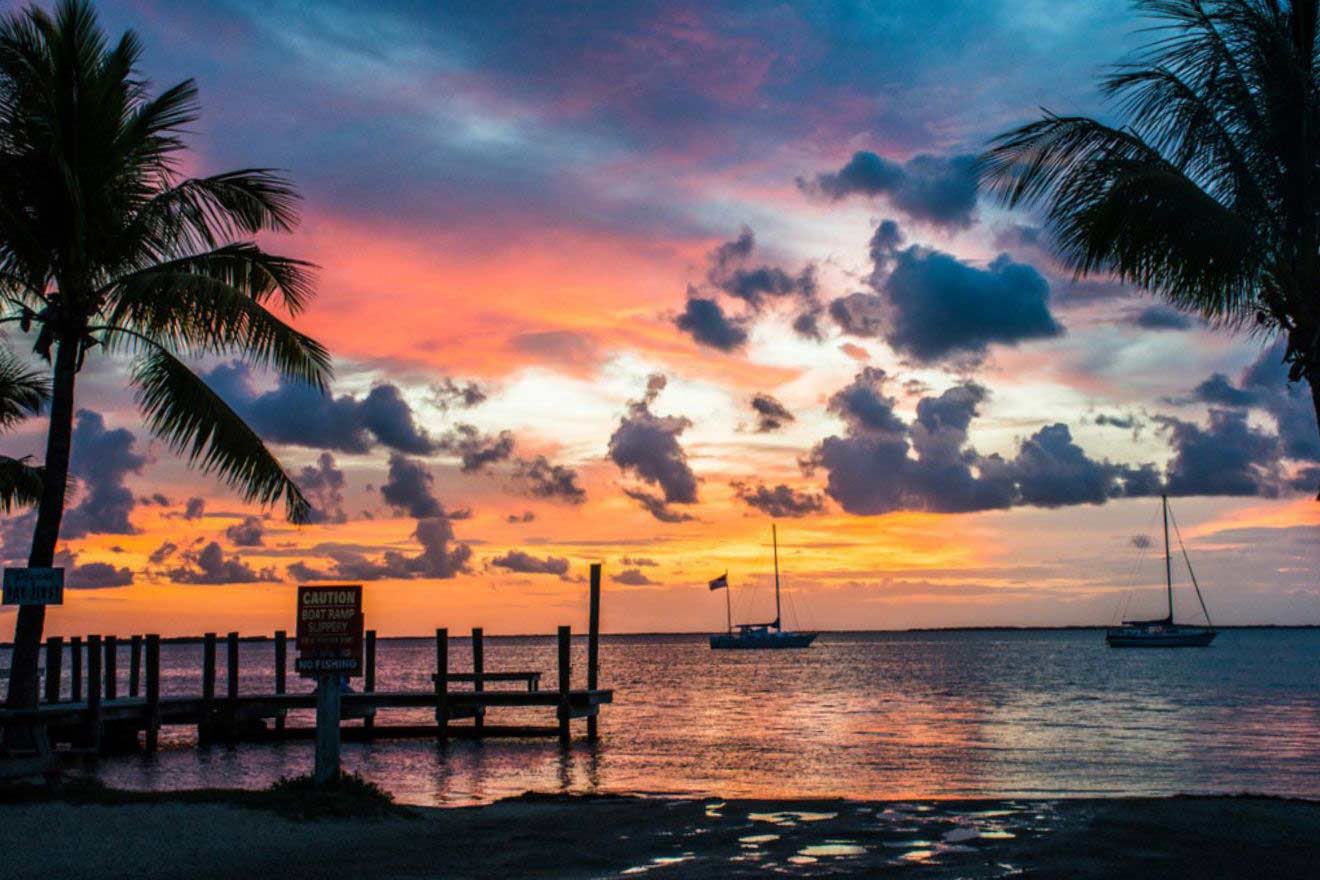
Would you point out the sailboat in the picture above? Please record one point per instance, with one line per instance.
(1165, 633)
(757, 636)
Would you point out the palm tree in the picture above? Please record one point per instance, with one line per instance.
(1207, 191)
(106, 248)
(22, 394)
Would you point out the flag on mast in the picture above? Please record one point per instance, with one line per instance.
(720, 583)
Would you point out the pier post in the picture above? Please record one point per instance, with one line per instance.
(565, 680)
(94, 692)
(54, 664)
(208, 689)
(231, 685)
(134, 665)
(442, 683)
(111, 672)
(327, 729)
(281, 670)
(75, 669)
(153, 693)
(369, 675)
(478, 672)
(593, 642)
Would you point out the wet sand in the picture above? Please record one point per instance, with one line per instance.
(562, 837)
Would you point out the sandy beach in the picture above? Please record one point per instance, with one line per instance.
(558, 837)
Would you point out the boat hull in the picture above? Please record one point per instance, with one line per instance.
(1161, 637)
(760, 641)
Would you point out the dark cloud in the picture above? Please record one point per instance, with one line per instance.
(525, 563)
(298, 414)
(780, 501)
(448, 393)
(1228, 457)
(705, 321)
(884, 464)
(477, 450)
(157, 498)
(1161, 318)
(211, 566)
(771, 415)
(547, 480)
(101, 460)
(646, 446)
(930, 305)
(639, 561)
(633, 577)
(525, 517)
(657, 507)
(1219, 390)
(440, 559)
(1128, 422)
(98, 576)
(323, 485)
(163, 552)
(934, 189)
(250, 532)
(408, 488)
(194, 508)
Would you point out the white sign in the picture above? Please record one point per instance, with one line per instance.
(34, 586)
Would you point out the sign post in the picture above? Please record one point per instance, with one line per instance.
(34, 586)
(329, 641)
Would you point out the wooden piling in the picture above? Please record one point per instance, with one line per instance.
(231, 684)
(208, 688)
(593, 642)
(94, 692)
(442, 683)
(75, 669)
(565, 680)
(134, 665)
(54, 664)
(478, 671)
(369, 674)
(152, 721)
(281, 670)
(111, 667)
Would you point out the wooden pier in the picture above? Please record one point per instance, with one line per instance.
(95, 717)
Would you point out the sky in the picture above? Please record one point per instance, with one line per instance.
(628, 282)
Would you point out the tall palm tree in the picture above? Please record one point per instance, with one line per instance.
(1207, 191)
(106, 248)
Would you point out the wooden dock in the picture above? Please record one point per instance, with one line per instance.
(96, 718)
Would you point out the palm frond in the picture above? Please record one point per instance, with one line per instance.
(195, 422)
(23, 392)
(20, 483)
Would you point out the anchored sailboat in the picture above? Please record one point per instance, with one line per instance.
(764, 636)
(1165, 633)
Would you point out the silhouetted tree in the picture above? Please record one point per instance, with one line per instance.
(23, 392)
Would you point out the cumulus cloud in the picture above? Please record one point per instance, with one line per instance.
(705, 321)
(102, 459)
(547, 480)
(250, 532)
(779, 501)
(441, 558)
(525, 563)
(211, 566)
(475, 449)
(771, 415)
(163, 552)
(525, 517)
(633, 577)
(408, 488)
(194, 508)
(1227, 457)
(323, 485)
(297, 414)
(934, 189)
(98, 576)
(1161, 318)
(465, 395)
(646, 446)
(883, 464)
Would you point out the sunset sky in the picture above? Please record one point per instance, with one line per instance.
(620, 283)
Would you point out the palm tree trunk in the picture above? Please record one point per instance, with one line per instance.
(1313, 379)
(23, 684)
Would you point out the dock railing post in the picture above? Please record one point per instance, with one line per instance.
(111, 671)
(565, 680)
(369, 676)
(231, 684)
(54, 664)
(593, 642)
(94, 692)
(208, 689)
(442, 683)
(153, 693)
(281, 670)
(478, 673)
(327, 728)
(134, 665)
(75, 669)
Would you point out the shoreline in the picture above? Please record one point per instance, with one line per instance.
(563, 836)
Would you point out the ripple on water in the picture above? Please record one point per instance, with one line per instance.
(789, 818)
(833, 849)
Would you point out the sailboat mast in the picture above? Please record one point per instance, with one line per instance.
(774, 535)
(1168, 559)
(728, 607)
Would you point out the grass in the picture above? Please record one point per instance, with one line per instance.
(297, 797)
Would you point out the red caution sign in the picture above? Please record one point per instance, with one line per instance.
(329, 634)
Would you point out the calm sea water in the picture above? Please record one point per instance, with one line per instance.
(868, 715)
